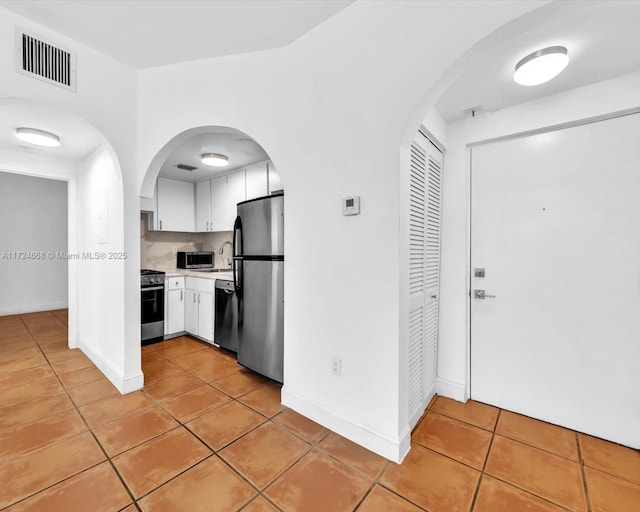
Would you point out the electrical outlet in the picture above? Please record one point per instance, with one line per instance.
(336, 367)
(175, 250)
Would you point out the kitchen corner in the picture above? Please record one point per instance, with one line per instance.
(185, 291)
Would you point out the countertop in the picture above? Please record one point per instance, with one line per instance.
(227, 276)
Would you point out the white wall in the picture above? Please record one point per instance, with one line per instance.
(437, 128)
(105, 102)
(100, 237)
(33, 217)
(333, 111)
(593, 100)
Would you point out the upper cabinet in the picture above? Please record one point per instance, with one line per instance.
(219, 204)
(262, 180)
(203, 206)
(208, 205)
(216, 201)
(274, 178)
(236, 193)
(257, 180)
(176, 205)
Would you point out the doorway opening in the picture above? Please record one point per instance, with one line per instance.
(189, 210)
(94, 226)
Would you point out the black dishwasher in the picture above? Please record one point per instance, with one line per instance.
(226, 318)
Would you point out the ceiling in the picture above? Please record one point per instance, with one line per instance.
(145, 34)
(241, 150)
(602, 39)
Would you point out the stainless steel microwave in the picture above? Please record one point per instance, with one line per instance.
(201, 259)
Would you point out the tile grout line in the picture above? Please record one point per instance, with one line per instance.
(486, 460)
(527, 491)
(392, 491)
(76, 408)
(458, 419)
(583, 473)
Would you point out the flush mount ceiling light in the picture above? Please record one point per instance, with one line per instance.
(541, 66)
(38, 137)
(215, 160)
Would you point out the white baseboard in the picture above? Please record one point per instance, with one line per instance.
(454, 390)
(21, 310)
(390, 448)
(132, 383)
(123, 384)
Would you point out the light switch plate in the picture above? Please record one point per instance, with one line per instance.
(351, 205)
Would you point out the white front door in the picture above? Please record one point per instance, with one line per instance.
(555, 224)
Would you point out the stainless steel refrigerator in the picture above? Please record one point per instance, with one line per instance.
(258, 274)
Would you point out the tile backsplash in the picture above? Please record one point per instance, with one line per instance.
(157, 247)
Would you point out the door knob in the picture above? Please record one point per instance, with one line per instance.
(480, 294)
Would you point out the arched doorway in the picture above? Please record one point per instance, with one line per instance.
(192, 207)
(94, 251)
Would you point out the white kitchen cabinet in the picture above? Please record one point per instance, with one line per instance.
(203, 206)
(200, 307)
(257, 179)
(262, 180)
(205, 316)
(174, 320)
(149, 206)
(191, 311)
(236, 193)
(218, 203)
(275, 183)
(176, 205)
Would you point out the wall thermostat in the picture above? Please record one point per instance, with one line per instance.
(351, 205)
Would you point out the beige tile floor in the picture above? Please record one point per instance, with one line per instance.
(207, 435)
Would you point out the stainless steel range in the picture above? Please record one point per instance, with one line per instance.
(152, 309)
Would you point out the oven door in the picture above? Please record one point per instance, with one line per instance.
(152, 313)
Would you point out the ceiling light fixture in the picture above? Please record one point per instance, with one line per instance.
(215, 160)
(541, 66)
(38, 137)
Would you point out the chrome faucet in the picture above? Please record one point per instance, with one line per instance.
(221, 252)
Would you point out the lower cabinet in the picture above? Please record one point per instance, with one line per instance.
(174, 301)
(200, 307)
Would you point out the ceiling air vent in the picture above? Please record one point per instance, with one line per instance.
(186, 167)
(39, 59)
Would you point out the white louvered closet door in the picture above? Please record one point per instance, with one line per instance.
(425, 185)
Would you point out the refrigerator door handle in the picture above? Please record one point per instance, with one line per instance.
(237, 237)
(237, 277)
(237, 251)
